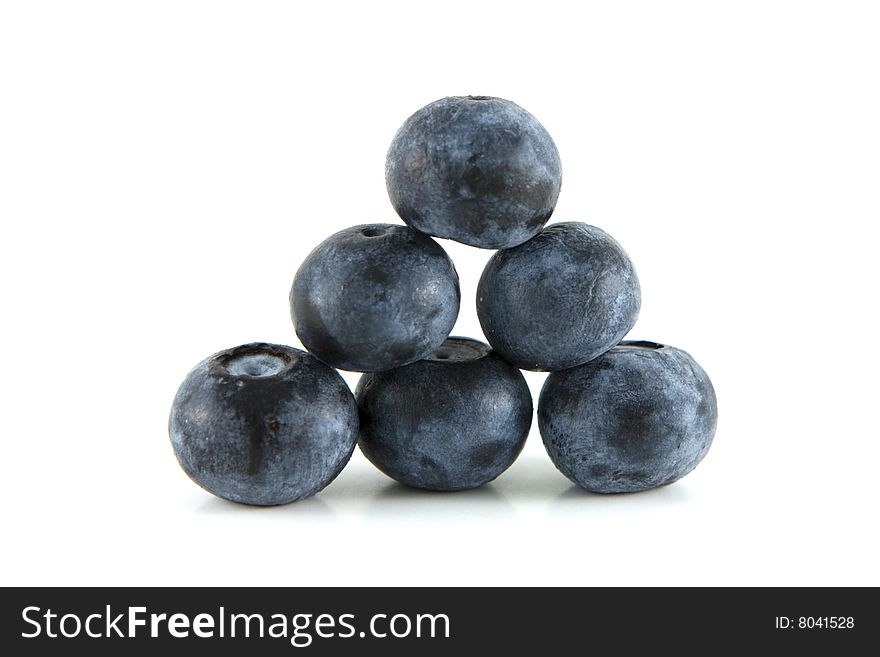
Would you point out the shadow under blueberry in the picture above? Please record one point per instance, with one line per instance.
(395, 499)
(674, 493)
(531, 480)
(311, 507)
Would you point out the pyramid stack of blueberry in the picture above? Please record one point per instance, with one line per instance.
(269, 424)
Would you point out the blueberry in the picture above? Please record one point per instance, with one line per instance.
(375, 297)
(640, 416)
(560, 299)
(475, 169)
(263, 424)
(452, 421)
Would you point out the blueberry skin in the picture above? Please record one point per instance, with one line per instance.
(374, 297)
(453, 421)
(559, 300)
(263, 424)
(475, 169)
(642, 415)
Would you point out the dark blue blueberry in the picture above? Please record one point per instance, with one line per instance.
(560, 299)
(263, 424)
(475, 169)
(374, 297)
(455, 420)
(642, 415)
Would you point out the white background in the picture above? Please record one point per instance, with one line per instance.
(165, 167)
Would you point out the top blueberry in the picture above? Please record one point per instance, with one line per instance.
(475, 169)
